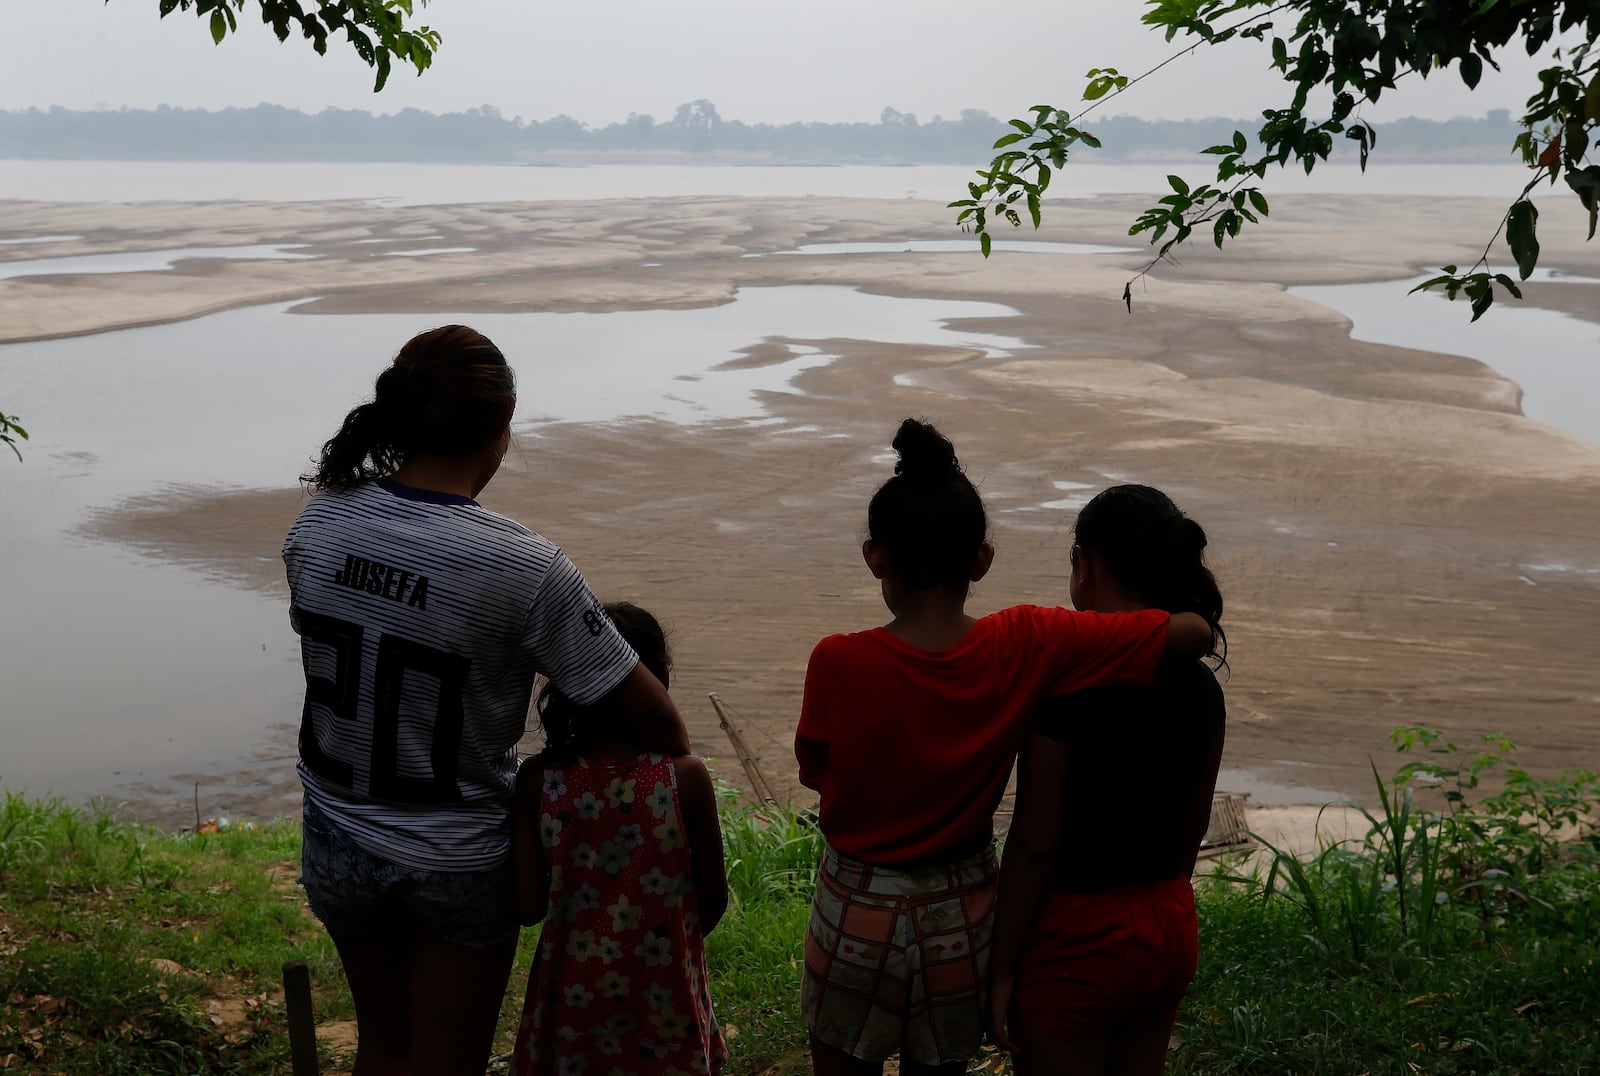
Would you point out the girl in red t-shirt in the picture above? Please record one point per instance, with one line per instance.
(909, 732)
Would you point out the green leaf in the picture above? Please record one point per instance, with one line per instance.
(1508, 284)
(1033, 207)
(1023, 125)
(1586, 185)
(219, 26)
(1258, 200)
(1471, 69)
(1280, 53)
(1177, 184)
(1521, 235)
(1007, 139)
(1430, 283)
(1481, 302)
(985, 242)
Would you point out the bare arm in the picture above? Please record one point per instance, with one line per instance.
(648, 712)
(529, 869)
(698, 799)
(1197, 819)
(1030, 852)
(1188, 638)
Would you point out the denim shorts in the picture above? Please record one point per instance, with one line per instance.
(357, 894)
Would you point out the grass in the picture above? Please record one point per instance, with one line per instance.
(128, 950)
(119, 945)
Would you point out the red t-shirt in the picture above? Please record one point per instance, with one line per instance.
(911, 748)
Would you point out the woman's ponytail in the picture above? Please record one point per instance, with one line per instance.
(448, 393)
(1155, 553)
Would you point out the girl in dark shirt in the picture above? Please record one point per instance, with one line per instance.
(1094, 951)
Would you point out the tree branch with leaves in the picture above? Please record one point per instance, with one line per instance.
(376, 29)
(1356, 52)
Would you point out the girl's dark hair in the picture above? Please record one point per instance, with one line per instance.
(446, 394)
(567, 727)
(928, 518)
(1155, 552)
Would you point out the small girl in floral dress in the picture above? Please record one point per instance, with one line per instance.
(620, 853)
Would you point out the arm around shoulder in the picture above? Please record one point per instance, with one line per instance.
(697, 796)
(1188, 637)
(648, 712)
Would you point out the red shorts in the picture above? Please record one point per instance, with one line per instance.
(1097, 964)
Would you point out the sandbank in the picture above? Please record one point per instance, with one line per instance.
(1368, 506)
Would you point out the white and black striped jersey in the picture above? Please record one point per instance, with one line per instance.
(423, 619)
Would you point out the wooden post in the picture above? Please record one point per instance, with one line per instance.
(302, 1024)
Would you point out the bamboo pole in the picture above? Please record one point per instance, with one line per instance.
(747, 759)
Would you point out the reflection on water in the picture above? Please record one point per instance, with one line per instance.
(1554, 357)
(117, 669)
(141, 261)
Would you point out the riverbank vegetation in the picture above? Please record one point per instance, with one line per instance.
(696, 134)
(1460, 936)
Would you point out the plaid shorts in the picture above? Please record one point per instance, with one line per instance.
(357, 894)
(898, 960)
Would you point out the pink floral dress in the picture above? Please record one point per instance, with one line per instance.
(619, 985)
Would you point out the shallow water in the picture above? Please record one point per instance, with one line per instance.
(141, 261)
(426, 251)
(450, 184)
(39, 239)
(149, 669)
(1272, 785)
(1554, 357)
(950, 246)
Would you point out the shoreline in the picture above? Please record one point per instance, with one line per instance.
(1362, 595)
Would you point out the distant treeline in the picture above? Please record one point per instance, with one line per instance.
(484, 135)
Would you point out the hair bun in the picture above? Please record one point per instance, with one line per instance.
(924, 451)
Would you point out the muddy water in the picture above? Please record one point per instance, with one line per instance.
(122, 672)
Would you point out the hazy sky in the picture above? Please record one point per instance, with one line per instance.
(770, 61)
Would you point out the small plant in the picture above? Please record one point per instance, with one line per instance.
(11, 433)
(20, 825)
(1419, 878)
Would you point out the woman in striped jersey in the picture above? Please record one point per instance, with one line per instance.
(423, 620)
